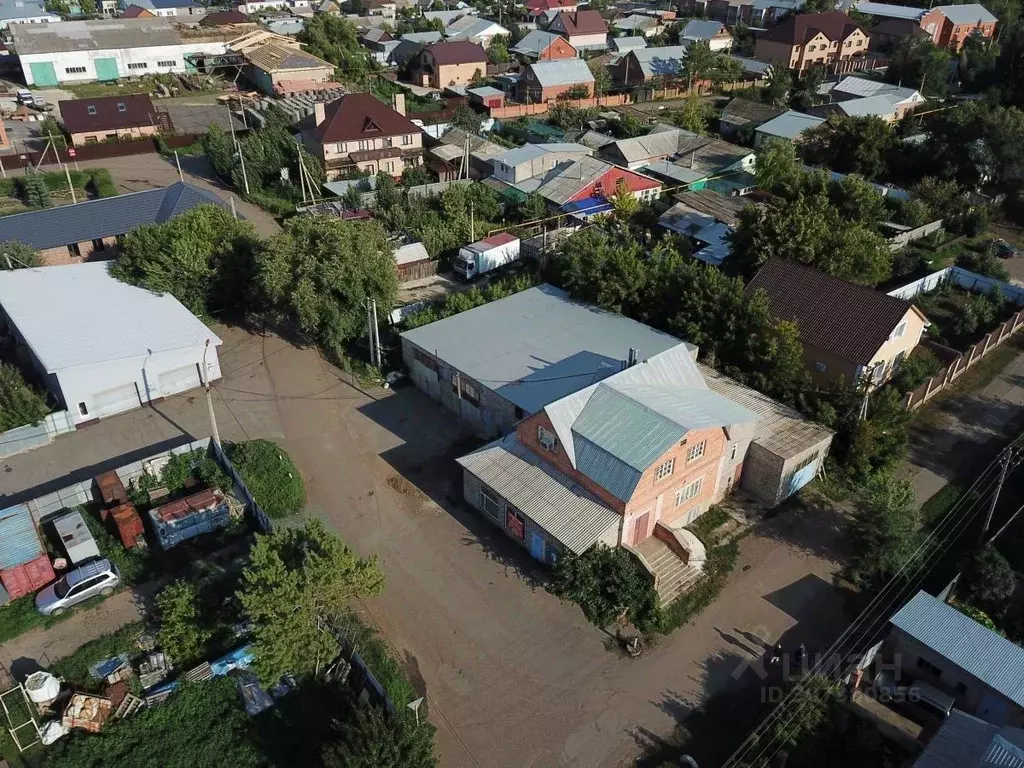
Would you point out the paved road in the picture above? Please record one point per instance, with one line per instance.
(513, 676)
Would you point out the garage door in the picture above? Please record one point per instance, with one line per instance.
(106, 69)
(179, 380)
(114, 401)
(43, 73)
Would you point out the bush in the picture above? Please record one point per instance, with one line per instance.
(103, 185)
(19, 403)
(271, 203)
(181, 635)
(708, 522)
(916, 370)
(608, 585)
(132, 564)
(270, 475)
(987, 264)
(988, 581)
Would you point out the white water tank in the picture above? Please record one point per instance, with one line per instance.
(42, 687)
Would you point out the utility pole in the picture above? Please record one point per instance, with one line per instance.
(67, 175)
(177, 162)
(1003, 469)
(234, 212)
(376, 332)
(209, 398)
(371, 331)
(10, 267)
(245, 177)
(472, 224)
(2, 169)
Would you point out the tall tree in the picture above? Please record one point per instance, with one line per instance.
(885, 528)
(182, 634)
(321, 270)
(37, 194)
(372, 737)
(297, 584)
(778, 167)
(917, 62)
(851, 145)
(20, 404)
(16, 255)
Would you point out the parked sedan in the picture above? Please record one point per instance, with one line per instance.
(96, 577)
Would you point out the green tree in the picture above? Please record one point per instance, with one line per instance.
(16, 255)
(321, 270)
(569, 118)
(60, 7)
(181, 633)
(817, 699)
(336, 40)
(371, 737)
(352, 200)
(270, 475)
(88, 7)
(297, 584)
(37, 195)
(885, 529)
(204, 258)
(467, 119)
(629, 126)
(695, 116)
(918, 63)
(851, 145)
(988, 581)
(20, 404)
(916, 370)
(780, 83)
(778, 167)
(532, 207)
(497, 51)
(624, 204)
(608, 585)
(602, 77)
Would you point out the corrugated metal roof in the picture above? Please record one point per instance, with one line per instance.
(672, 172)
(882, 106)
(537, 346)
(537, 489)
(19, 540)
(535, 43)
(790, 125)
(661, 143)
(120, 321)
(625, 428)
(411, 253)
(752, 66)
(628, 42)
(964, 741)
(657, 62)
(562, 72)
(970, 13)
(422, 37)
(96, 35)
(982, 653)
(861, 86)
(608, 471)
(700, 29)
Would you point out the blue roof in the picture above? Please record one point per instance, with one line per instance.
(976, 649)
(19, 541)
(588, 205)
(105, 217)
(18, 9)
(700, 29)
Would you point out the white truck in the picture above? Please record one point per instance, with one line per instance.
(488, 254)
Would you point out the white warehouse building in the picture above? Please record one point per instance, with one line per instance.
(103, 49)
(103, 346)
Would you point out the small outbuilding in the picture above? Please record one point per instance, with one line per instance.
(102, 346)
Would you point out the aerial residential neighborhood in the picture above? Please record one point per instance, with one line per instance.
(456, 383)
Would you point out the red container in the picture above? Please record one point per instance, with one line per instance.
(129, 525)
(26, 578)
(112, 491)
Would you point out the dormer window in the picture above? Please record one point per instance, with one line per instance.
(369, 126)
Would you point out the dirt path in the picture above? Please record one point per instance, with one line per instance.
(45, 646)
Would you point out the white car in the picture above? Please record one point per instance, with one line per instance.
(96, 577)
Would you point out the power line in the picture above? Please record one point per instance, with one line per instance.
(925, 550)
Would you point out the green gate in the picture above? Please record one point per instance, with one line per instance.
(106, 69)
(43, 73)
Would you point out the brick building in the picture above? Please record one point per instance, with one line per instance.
(808, 39)
(449, 63)
(106, 118)
(547, 80)
(91, 231)
(948, 26)
(613, 432)
(539, 45)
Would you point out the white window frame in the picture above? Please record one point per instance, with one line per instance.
(548, 440)
(900, 330)
(665, 469)
(689, 491)
(696, 451)
(489, 497)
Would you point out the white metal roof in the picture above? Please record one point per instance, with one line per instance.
(789, 125)
(964, 741)
(628, 42)
(537, 489)
(562, 72)
(889, 11)
(971, 13)
(538, 345)
(861, 86)
(701, 29)
(77, 314)
(882, 106)
(666, 60)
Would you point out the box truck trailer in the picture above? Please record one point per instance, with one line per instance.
(482, 257)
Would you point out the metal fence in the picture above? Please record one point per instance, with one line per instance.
(262, 520)
(29, 436)
(972, 281)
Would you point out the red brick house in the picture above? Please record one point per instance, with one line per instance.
(948, 26)
(808, 39)
(547, 80)
(450, 63)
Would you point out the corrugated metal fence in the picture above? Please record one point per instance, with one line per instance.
(257, 512)
(21, 439)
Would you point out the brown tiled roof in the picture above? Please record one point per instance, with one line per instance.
(797, 30)
(136, 12)
(137, 111)
(218, 18)
(582, 22)
(361, 116)
(457, 52)
(845, 319)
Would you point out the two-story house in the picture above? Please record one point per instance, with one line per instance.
(583, 29)
(807, 39)
(613, 433)
(449, 63)
(359, 132)
(540, 45)
(847, 330)
(948, 26)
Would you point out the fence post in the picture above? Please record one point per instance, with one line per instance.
(927, 389)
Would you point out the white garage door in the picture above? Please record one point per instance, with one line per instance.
(179, 380)
(113, 401)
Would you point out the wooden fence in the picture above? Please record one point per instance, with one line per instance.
(418, 270)
(97, 151)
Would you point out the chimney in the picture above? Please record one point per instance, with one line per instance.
(398, 103)
(318, 112)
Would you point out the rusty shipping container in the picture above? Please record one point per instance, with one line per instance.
(28, 577)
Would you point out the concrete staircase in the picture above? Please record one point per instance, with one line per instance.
(672, 576)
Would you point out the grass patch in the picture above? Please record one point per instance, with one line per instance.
(19, 616)
(270, 475)
(720, 563)
(933, 510)
(706, 524)
(75, 667)
(271, 203)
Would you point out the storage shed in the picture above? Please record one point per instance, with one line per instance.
(74, 535)
(192, 516)
(24, 564)
(103, 346)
